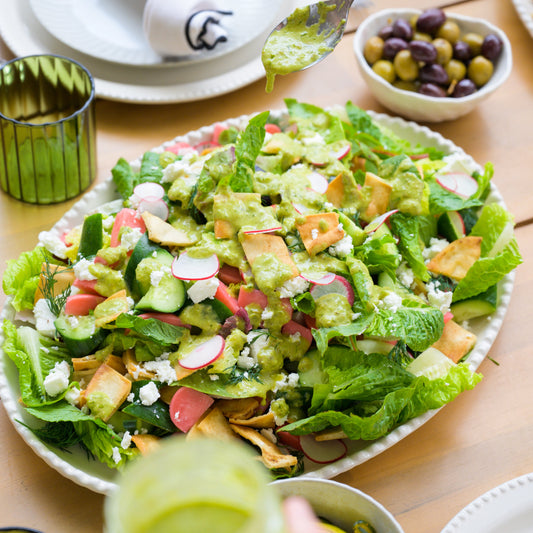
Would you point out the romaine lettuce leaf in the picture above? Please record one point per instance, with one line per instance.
(150, 328)
(441, 200)
(124, 178)
(379, 254)
(494, 220)
(322, 336)
(397, 407)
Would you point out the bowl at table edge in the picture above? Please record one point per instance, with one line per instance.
(417, 106)
(339, 503)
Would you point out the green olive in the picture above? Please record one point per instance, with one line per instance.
(455, 69)
(373, 50)
(406, 67)
(419, 36)
(410, 86)
(474, 41)
(444, 50)
(480, 70)
(413, 20)
(385, 69)
(449, 31)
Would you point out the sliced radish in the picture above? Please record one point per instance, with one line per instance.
(264, 230)
(459, 183)
(288, 439)
(447, 316)
(204, 354)
(86, 285)
(378, 221)
(82, 304)
(272, 128)
(158, 208)
(125, 217)
(194, 268)
(338, 285)
(149, 191)
(320, 279)
(293, 328)
(342, 152)
(168, 318)
(300, 208)
(187, 407)
(180, 148)
(218, 128)
(318, 182)
(206, 145)
(223, 295)
(323, 452)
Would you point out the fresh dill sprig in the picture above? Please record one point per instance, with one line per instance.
(62, 435)
(240, 374)
(56, 302)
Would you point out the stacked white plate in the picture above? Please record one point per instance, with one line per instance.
(107, 37)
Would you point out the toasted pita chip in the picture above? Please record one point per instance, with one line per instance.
(264, 421)
(239, 408)
(163, 232)
(258, 244)
(134, 368)
(319, 231)
(85, 363)
(63, 278)
(271, 455)
(457, 258)
(146, 443)
(330, 434)
(380, 195)
(455, 341)
(214, 425)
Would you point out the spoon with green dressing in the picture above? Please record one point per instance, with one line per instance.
(304, 38)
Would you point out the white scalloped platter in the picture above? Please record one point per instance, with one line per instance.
(524, 8)
(507, 507)
(98, 477)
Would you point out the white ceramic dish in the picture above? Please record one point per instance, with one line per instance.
(25, 35)
(113, 30)
(524, 8)
(508, 507)
(418, 106)
(340, 504)
(98, 477)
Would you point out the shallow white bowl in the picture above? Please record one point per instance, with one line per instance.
(340, 504)
(420, 107)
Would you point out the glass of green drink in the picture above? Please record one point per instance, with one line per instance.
(197, 486)
(47, 129)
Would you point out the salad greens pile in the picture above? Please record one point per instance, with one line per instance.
(315, 269)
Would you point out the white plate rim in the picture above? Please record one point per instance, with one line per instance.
(486, 329)
(60, 19)
(486, 505)
(524, 8)
(24, 35)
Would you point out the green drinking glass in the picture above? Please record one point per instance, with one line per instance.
(47, 129)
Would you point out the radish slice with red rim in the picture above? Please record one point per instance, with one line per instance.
(323, 452)
(338, 285)
(322, 279)
(378, 221)
(264, 230)
(149, 191)
(342, 152)
(194, 268)
(158, 208)
(318, 182)
(204, 354)
(459, 183)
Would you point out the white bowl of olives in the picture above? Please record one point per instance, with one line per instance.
(431, 66)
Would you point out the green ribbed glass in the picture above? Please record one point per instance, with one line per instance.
(47, 129)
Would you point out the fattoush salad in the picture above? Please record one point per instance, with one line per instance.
(298, 282)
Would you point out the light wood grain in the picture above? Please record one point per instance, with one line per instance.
(480, 440)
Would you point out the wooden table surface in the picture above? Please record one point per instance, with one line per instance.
(480, 440)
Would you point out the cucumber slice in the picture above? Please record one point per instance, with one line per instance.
(310, 370)
(451, 226)
(482, 304)
(92, 237)
(352, 229)
(80, 336)
(143, 248)
(167, 297)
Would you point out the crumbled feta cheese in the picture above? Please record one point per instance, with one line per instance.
(126, 440)
(57, 380)
(293, 286)
(157, 275)
(148, 394)
(465, 324)
(214, 377)
(437, 298)
(73, 396)
(267, 314)
(258, 340)
(355, 316)
(164, 371)
(392, 302)
(129, 237)
(81, 269)
(315, 139)
(314, 234)
(44, 318)
(130, 301)
(245, 360)
(405, 275)
(287, 381)
(182, 168)
(107, 222)
(116, 455)
(295, 337)
(131, 397)
(203, 289)
(435, 246)
(53, 244)
(72, 321)
(268, 433)
(342, 248)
